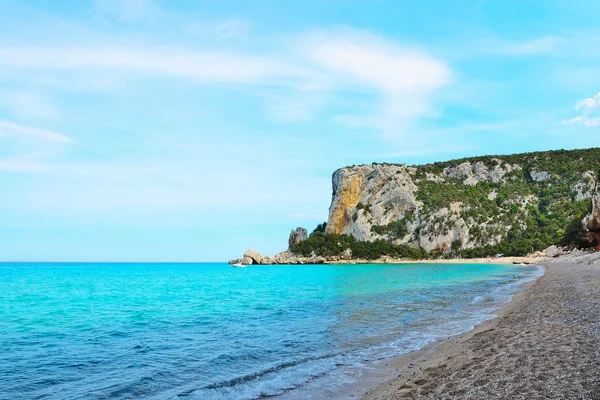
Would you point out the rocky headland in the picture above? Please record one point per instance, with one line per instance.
(477, 208)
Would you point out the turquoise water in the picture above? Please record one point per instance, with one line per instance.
(209, 331)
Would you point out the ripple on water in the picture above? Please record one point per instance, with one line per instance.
(207, 331)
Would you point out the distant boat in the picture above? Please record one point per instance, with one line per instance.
(238, 265)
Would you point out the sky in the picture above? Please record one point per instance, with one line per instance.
(149, 130)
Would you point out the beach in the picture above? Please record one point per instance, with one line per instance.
(542, 345)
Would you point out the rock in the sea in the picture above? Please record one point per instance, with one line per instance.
(296, 236)
(266, 260)
(285, 257)
(254, 256)
(247, 261)
(235, 261)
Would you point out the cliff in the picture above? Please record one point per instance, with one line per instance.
(591, 222)
(475, 206)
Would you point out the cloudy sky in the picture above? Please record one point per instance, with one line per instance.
(187, 130)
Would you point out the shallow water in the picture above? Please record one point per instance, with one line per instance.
(209, 331)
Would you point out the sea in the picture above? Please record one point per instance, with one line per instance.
(210, 331)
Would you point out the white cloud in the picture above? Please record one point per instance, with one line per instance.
(478, 44)
(373, 61)
(215, 67)
(401, 78)
(534, 46)
(8, 128)
(584, 120)
(590, 112)
(372, 82)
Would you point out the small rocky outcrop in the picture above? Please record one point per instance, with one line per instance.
(554, 251)
(314, 259)
(347, 254)
(539, 176)
(266, 261)
(584, 189)
(285, 257)
(247, 261)
(252, 257)
(575, 256)
(296, 236)
(473, 173)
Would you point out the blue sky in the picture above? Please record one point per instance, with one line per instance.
(140, 130)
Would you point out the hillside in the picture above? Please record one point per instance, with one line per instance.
(471, 207)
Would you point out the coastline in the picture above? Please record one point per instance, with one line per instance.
(542, 344)
(481, 260)
(252, 257)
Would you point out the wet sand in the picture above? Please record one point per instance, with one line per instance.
(543, 345)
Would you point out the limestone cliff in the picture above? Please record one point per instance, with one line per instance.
(529, 200)
(592, 221)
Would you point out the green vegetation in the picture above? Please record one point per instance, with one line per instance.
(366, 207)
(562, 162)
(320, 228)
(530, 215)
(394, 230)
(327, 244)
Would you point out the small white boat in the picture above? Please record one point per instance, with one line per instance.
(238, 265)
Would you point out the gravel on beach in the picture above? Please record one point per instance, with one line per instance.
(543, 345)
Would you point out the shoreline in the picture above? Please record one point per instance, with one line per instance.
(294, 260)
(381, 372)
(481, 260)
(521, 353)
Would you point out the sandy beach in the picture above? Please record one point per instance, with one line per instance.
(543, 345)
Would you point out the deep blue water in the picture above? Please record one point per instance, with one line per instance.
(209, 331)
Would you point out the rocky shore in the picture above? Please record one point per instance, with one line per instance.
(552, 254)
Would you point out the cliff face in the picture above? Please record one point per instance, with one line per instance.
(530, 199)
(591, 223)
(365, 194)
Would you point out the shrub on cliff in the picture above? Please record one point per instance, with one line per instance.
(320, 228)
(395, 229)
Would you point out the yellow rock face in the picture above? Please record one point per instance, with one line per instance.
(351, 190)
